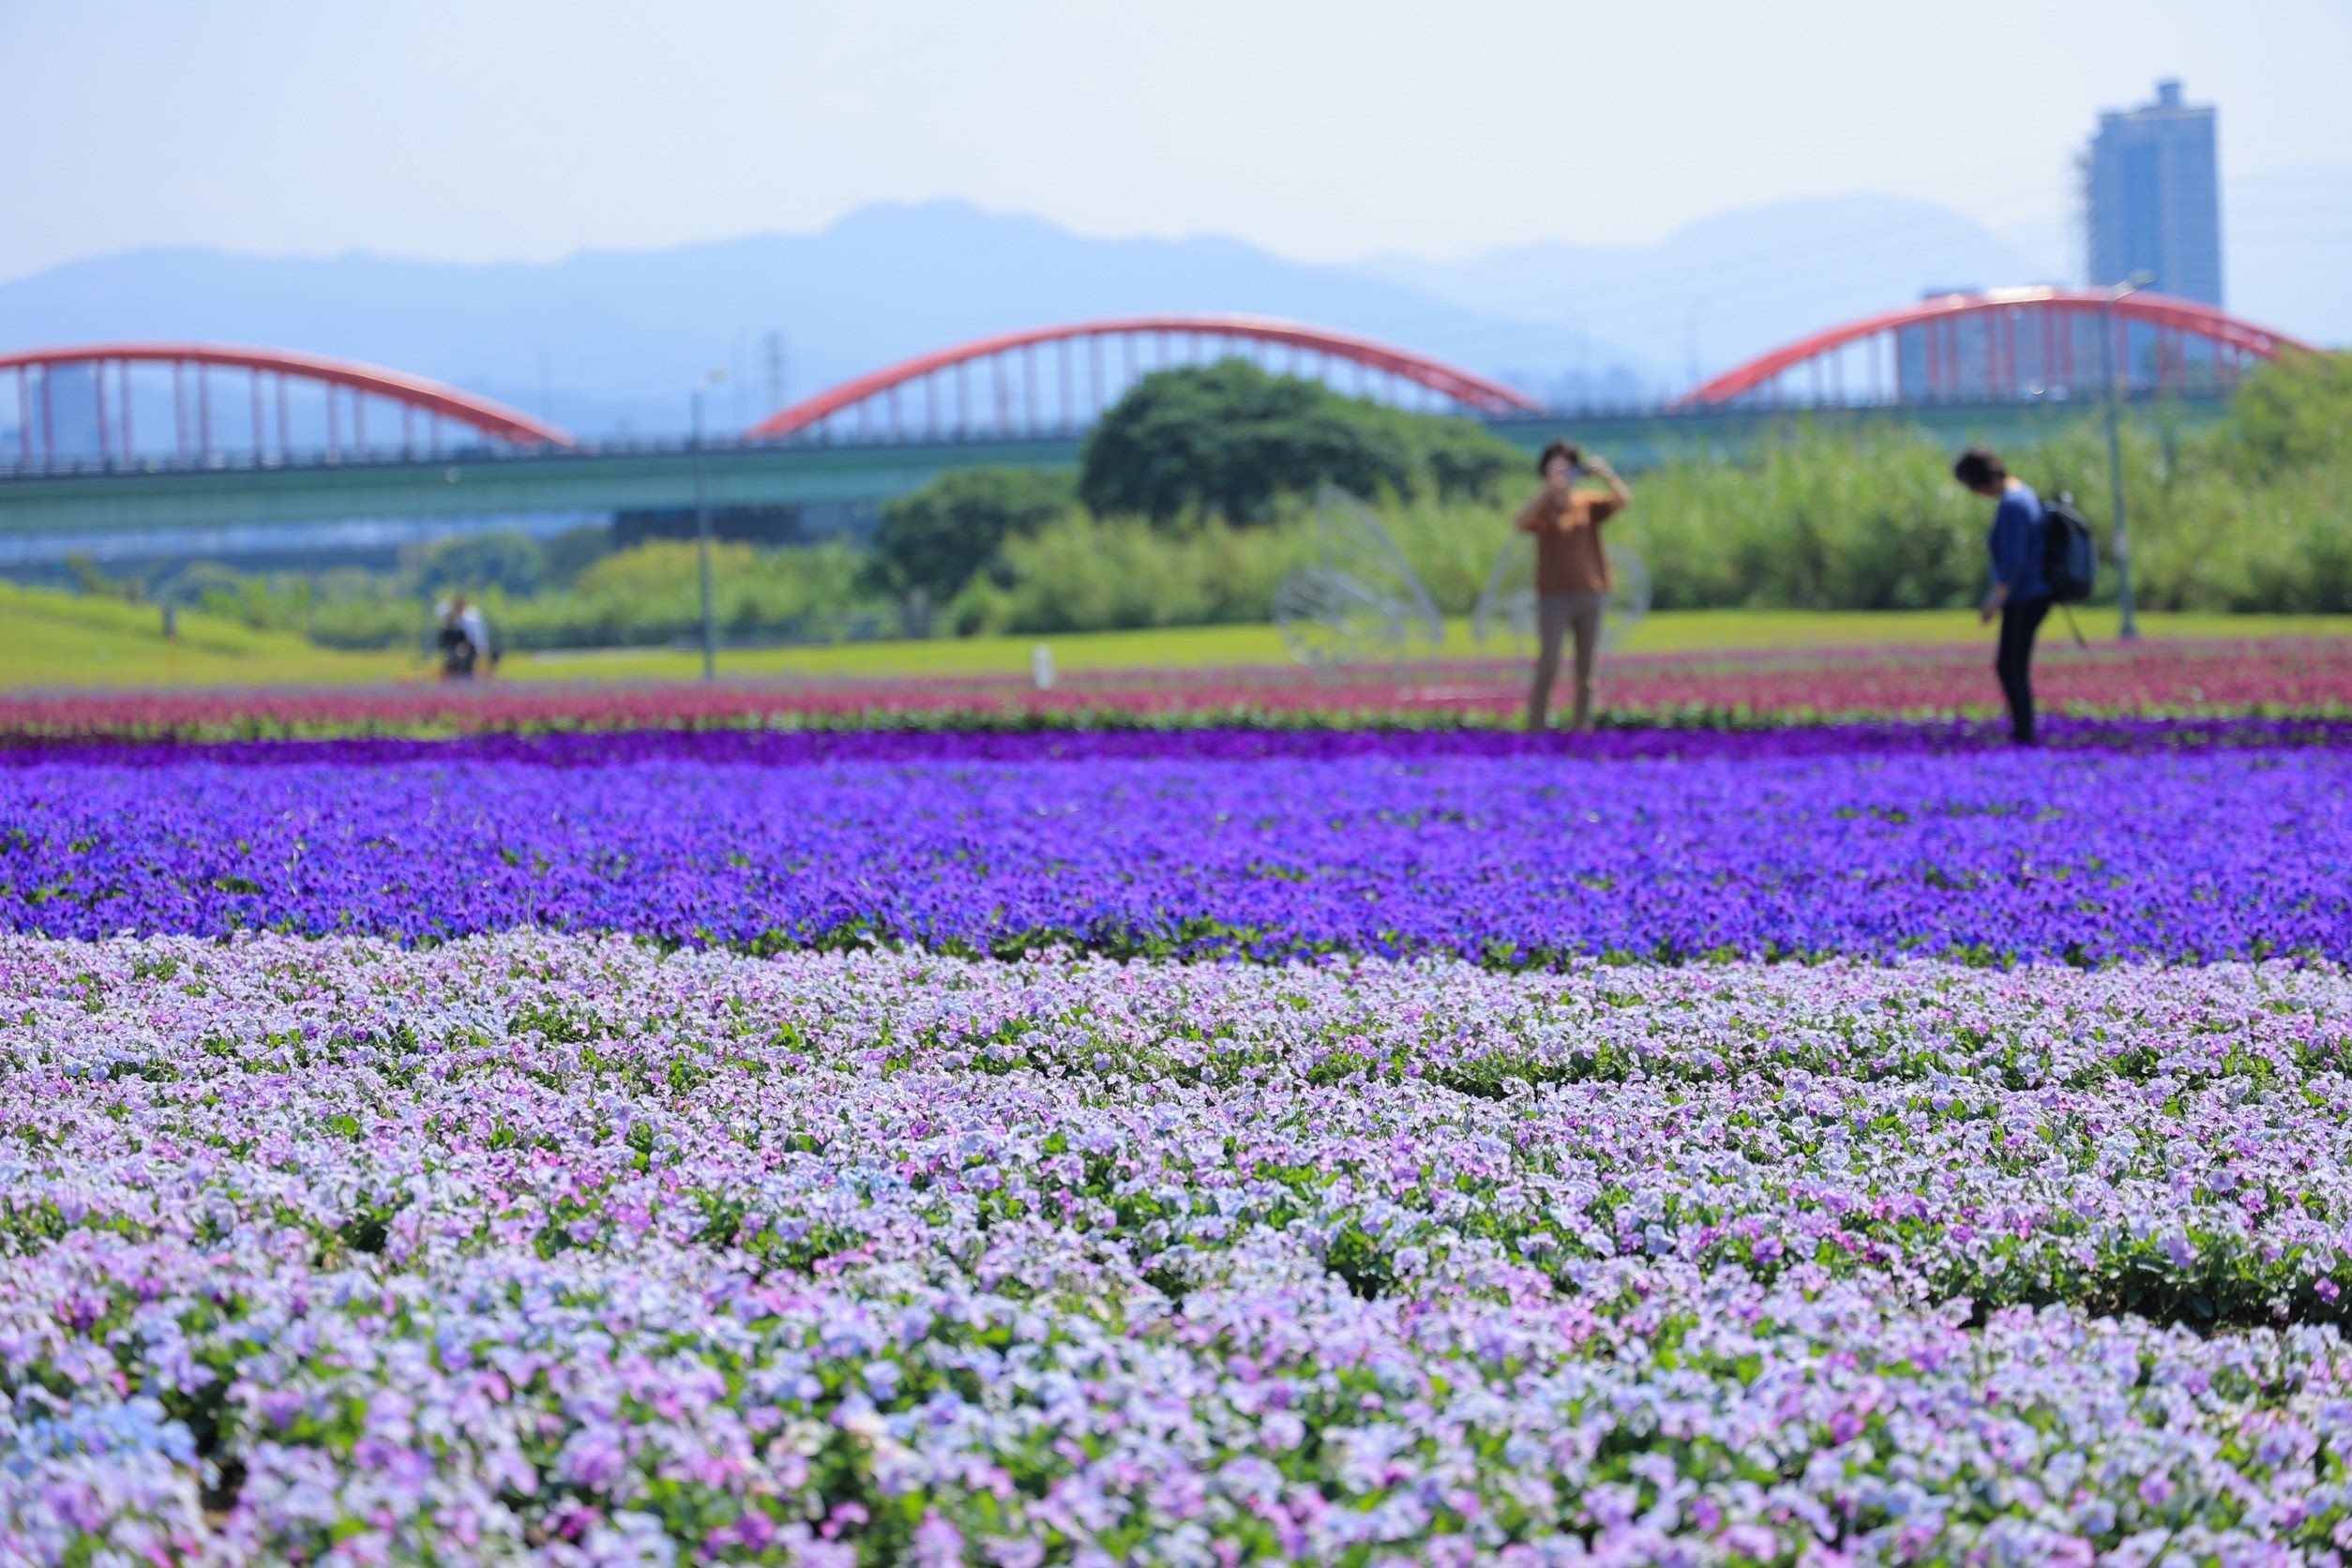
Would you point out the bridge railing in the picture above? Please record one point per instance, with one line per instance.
(13, 465)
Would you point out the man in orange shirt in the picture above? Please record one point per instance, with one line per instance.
(1572, 570)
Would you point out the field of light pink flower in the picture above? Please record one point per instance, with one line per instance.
(563, 1249)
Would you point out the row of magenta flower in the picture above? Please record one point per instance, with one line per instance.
(1725, 688)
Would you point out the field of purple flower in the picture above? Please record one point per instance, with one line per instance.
(1483, 848)
(797, 1150)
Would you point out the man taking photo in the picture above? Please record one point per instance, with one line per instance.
(1571, 571)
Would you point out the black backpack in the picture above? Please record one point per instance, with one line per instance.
(2070, 562)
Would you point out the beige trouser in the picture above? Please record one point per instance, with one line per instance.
(1555, 616)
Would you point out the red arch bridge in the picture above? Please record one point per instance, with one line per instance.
(1061, 377)
(200, 402)
(128, 437)
(2004, 345)
(191, 401)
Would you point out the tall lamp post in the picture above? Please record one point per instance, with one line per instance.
(702, 529)
(2131, 285)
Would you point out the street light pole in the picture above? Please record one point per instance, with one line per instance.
(1690, 336)
(2132, 284)
(702, 532)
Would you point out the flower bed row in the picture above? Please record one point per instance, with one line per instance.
(1493, 848)
(1208, 742)
(2306, 677)
(560, 1247)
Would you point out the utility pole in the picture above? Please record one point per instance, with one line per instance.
(2131, 285)
(737, 381)
(1690, 336)
(775, 370)
(702, 530)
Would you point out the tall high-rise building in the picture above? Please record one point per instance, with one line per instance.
(2153, 188)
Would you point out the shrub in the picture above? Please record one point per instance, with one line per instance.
(945, 533)
(1229, 440)
(2295, 410)
(1079, 574)
(501, 559)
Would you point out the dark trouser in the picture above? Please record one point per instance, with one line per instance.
(2014, 663)
(1557, 618)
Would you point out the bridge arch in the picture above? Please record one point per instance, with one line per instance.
(86, 395)
(1078, 392)
(2002, 344)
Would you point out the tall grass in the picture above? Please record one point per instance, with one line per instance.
(1848, 519)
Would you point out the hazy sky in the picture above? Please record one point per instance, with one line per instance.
(480, 129)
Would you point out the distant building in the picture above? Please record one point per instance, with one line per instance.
(2151, 187)
(63, 414)
(1984, 356)
(1974, 356)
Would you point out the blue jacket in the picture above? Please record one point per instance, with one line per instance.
(2015, 545)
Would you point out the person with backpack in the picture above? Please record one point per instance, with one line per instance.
(464, 640)
(2020, 596)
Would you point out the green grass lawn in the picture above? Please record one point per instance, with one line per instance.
(61, 640)
(1208, 647)
(51, 639)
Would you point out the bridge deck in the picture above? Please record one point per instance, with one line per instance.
(230, 493)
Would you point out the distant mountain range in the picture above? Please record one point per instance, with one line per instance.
(1730, 287)
(608, 342)
(621, 336)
